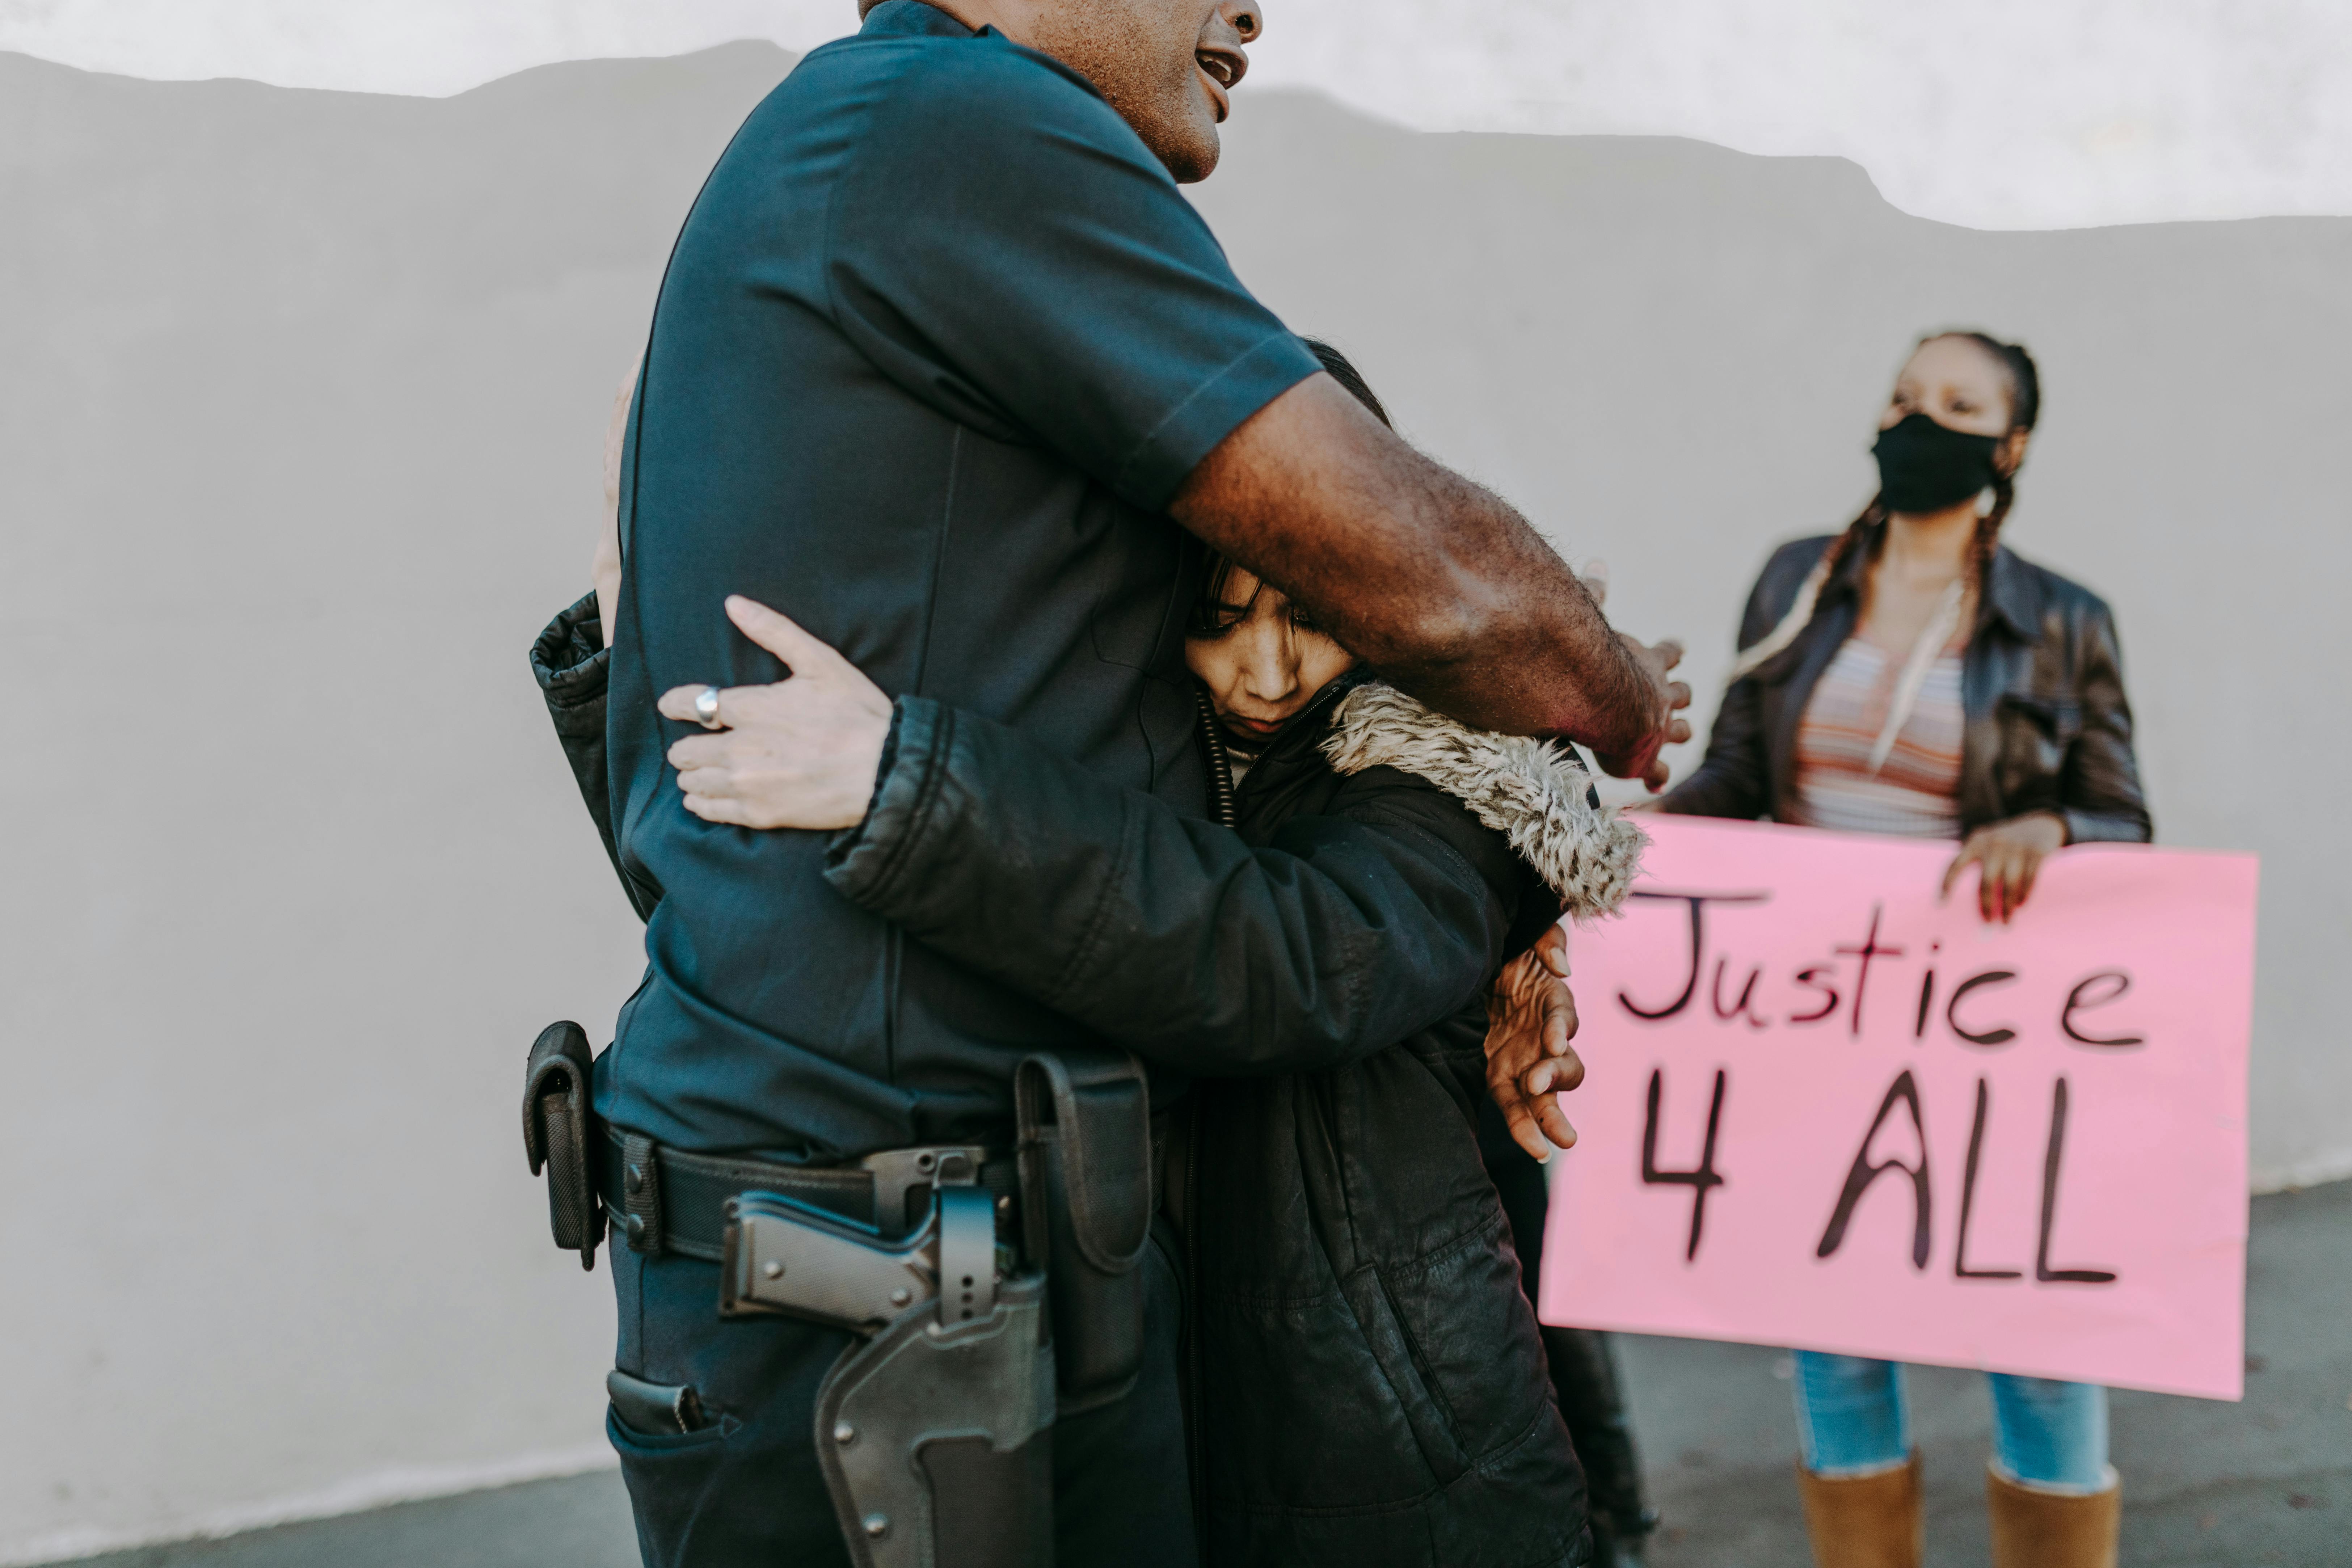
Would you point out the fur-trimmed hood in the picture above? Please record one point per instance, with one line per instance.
(1537, 794)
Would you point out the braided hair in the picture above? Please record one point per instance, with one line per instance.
(2024, 409)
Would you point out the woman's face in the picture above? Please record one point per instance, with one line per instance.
(1267, 663)
(1956, 382)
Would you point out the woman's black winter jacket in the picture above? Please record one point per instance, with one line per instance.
(2047, 724)
(1371, 1386)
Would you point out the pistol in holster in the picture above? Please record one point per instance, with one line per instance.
(935, 1427)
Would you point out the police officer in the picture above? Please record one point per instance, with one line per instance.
(945, 367)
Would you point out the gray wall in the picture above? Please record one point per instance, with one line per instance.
(300, 403)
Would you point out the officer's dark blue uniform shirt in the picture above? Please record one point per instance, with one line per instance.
(939, 341)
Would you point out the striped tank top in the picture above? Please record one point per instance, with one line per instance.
(1913, 791)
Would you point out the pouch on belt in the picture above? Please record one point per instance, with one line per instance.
(559, 1132)
(1085, 1120)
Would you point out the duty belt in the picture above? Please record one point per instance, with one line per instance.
(668, 1200)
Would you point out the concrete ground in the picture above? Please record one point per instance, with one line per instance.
(2268, 1481)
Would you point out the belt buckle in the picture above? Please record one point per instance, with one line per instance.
(898, 1173)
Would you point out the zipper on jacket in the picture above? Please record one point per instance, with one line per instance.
(1220, 808)
(1221, 773)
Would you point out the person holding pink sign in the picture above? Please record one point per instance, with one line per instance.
(1913, 676)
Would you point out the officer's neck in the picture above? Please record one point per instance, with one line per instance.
(1013, 18)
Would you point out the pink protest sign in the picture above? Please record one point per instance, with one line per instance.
(1821, 1111)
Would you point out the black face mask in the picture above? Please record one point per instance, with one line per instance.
(1924, 467)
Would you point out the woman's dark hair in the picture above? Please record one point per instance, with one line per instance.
(1211, 612)
(2024, 408)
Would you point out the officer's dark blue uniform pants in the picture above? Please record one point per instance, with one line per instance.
(746, 1491)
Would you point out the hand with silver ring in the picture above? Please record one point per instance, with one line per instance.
(800, 754)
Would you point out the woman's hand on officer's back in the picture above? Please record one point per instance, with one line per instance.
(2008, 856)
(803, 752)
(1530, 1018)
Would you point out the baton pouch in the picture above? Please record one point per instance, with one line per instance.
(558, 1132)
(1085, 1122)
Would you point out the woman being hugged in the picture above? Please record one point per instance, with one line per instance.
(1913, 676)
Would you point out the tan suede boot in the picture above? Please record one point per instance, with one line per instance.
(1867, 1521)
(2051, 1530)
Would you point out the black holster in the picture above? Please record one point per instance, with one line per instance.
(937, 1441)
(559, 1132)
(1085, 1120)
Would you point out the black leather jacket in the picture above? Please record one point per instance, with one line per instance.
(2048, 726)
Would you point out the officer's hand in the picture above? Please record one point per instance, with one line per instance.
(801, 753)
(1530, 1018)
(1655, 663)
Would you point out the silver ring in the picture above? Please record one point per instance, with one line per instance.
(706, 708)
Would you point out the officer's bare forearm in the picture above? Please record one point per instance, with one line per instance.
(1433, 581)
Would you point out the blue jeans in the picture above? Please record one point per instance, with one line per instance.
(1852, 1420)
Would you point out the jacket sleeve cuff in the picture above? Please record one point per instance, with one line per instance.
(2099, 827)
(1701, 794)
(572, 666)
(862, 862)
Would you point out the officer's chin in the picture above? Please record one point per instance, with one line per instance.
(1190, 146)
(1203, 163)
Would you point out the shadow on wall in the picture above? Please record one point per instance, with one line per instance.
(301, 396)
